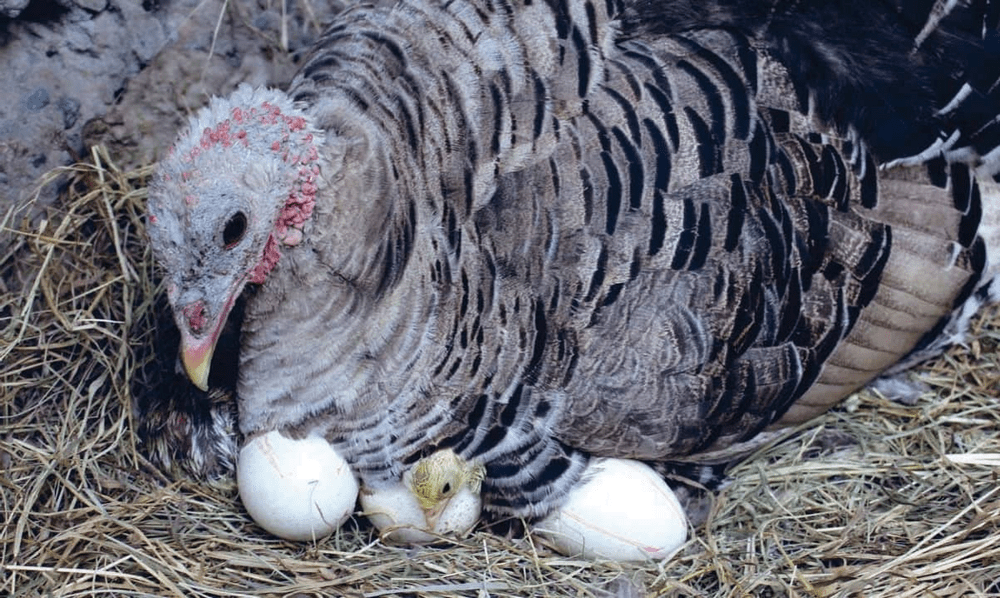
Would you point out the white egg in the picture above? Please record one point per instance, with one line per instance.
(395, 512)
(295, 489)
(623, 511)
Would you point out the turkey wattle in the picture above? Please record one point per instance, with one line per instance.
(537, 233)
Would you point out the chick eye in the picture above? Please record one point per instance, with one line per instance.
(446, 488)
(234, 230)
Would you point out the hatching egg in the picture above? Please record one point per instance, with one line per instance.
(395, 511)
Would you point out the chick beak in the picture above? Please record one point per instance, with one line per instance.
(431, 515)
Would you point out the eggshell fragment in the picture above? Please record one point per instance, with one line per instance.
(295, 489)
(461, 514)
(394, 510)
(623, 511)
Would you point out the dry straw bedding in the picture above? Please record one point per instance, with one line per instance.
(873, 499)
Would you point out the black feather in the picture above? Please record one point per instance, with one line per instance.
(860, 60)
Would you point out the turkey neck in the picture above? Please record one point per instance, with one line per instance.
(349, 325)
(338, 326)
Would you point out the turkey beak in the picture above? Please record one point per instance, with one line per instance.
(199, 334)
(197, 359)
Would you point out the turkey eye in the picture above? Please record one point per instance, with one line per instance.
(235, 228)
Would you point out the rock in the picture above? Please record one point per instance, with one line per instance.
(125, 73)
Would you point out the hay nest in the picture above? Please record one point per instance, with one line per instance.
(872, 499)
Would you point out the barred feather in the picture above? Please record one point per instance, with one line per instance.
(546, 231)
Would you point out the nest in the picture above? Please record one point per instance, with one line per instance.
(875, 498)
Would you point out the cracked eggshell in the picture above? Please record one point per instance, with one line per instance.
(622, 510)
(394, 510)
(295, 489)
(461, 514)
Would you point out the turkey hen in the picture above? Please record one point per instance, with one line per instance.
(540, 232)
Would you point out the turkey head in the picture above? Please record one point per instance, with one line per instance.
(236, 188)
